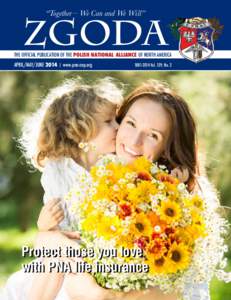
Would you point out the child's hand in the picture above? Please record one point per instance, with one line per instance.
(181, 173)
(50, 216)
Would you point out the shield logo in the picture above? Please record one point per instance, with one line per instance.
(196, 39)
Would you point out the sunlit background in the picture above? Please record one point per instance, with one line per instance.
(208, 94)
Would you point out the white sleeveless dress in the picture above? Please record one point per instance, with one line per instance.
(58, 177)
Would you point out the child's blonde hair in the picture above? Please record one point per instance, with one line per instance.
(67, 117)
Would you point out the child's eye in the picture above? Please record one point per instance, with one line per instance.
(131, 123)
(108, 121)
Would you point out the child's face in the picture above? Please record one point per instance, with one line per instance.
(104, 141)
(144, 131)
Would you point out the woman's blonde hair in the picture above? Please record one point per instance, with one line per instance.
(181, 148)
(67, 117)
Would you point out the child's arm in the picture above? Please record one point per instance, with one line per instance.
(181, 173)
(50, 216)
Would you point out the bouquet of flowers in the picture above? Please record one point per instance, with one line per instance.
(139, 208)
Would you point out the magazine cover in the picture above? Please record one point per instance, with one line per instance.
(115, 122)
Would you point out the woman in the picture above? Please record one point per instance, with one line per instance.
(154, 122)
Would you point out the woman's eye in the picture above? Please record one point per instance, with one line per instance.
(131, 123)
(108, 121)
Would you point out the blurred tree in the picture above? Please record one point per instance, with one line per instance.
(19, 95)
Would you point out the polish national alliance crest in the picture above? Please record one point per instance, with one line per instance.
(196, 37)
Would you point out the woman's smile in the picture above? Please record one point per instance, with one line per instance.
(130, 151)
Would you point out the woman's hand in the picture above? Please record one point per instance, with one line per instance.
(50, 216)
(181, 173)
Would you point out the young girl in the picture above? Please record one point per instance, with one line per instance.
(73, 118)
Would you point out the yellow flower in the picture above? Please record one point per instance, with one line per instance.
(141, 225)
(141, 164)
(157, 265)
(197, 202)
(197, 228)
(174, 196)
(108, 227)
(117, 172)
(184, 235)
(194, 203)
(142, 192)
(126, 241)
(102, 190)
(89, 223)
(117, 195)
(187, 203)
(178, 257)
(169, 211)
(198, 225)
(172, 188)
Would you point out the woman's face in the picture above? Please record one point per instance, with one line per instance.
(144, 131)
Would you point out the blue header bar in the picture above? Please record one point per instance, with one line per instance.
(67, 35)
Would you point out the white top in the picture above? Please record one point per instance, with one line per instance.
(58, 177)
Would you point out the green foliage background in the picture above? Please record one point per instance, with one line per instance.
(208, 94)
